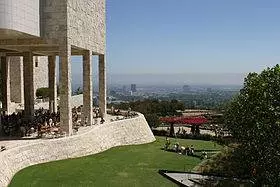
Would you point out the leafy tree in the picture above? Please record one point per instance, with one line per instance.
(154, 109)
(42, 92)
(153, 120)
(253, 118)
(78, 91)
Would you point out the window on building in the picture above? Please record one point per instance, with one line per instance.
(36, 64)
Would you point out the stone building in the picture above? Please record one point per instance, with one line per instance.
(32, 29)
(16, 78)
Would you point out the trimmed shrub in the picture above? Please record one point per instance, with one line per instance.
(42, 92)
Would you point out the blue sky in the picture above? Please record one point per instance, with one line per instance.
(192, 36)
(182, 36)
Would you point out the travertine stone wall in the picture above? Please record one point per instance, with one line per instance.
(53, 19)
(99, 138)
(20, 15)
(16, 76)
(86, 24)
(40, 73)
(82, 22)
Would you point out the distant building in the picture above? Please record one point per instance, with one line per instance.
(186, 88)
(124, 89)
(32, 34)
(40, 76)
(133, 88)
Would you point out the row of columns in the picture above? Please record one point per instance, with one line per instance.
(65, 86)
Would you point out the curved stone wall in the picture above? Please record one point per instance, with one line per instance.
(99, 138)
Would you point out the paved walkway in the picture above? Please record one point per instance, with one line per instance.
(199, 180)
(188, 130)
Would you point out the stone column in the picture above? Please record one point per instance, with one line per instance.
(28, 79)
(87, 87)
(102, 86)
(6, 91)
(52, 84)
(65, 88)
(16, 70)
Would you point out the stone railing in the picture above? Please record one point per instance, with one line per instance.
(100, 138)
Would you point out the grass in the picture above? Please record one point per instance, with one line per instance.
(121, 166)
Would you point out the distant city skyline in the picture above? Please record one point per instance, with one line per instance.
(210, 79)
(186, 37)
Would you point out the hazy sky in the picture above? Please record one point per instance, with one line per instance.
(191, 36)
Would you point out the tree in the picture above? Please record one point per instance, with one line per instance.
(154, 109)
(152, 120)
(42, 92)
(78, 91)
(253, 118)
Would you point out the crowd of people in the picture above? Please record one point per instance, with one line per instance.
(16, 125)
(183, 150)
(77, 117)
(125, 113)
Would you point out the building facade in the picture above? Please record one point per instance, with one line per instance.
(16, 77)
(43, 29)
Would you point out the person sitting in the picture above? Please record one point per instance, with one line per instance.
(50, 122)
(22, 131)
(32, 130)
(167, 144)
(176, 147)
(183, 150)
(203, 155)
(39, 129)
(192, 150)
(86, 121)
(179, 131)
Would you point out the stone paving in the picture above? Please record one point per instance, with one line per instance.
(200, 180)
(183, 178)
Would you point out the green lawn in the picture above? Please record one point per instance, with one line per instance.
(121, 166)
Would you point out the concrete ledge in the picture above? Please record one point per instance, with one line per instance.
(99, 138)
